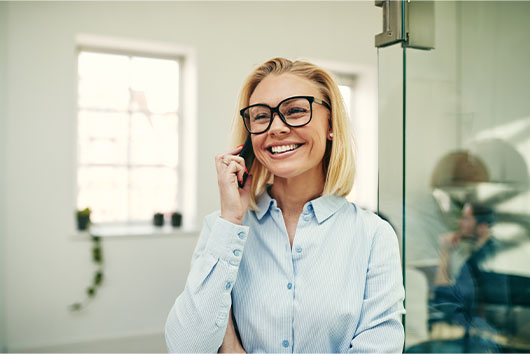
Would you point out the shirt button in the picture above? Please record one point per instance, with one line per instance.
(237, 253)
(285, 343)
(228, 285)
(298, 249)
(310, 207)
(289, 286)
(241, 235)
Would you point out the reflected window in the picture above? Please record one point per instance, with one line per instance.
(127, 136)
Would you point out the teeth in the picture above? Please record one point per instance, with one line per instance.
(283, 148)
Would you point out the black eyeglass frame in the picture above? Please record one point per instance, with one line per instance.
(311, 99)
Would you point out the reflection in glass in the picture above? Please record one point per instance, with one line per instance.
(467, 196)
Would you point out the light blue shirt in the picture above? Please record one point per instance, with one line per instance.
(338, 289)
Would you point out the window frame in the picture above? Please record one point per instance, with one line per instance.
(187, 125)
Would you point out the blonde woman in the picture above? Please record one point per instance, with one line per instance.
(288, 264)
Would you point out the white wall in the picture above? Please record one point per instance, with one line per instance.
(47, 270)
(3, 132)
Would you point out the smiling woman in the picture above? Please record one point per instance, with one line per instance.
(288, 265)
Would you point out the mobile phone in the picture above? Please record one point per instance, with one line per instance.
(247, 153)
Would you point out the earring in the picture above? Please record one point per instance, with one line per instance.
(331, 135)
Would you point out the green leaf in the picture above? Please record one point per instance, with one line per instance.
(97, 255)
(75, 307)
(91, 292)
(98, 278)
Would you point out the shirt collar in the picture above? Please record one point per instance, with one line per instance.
(327, 205)
(323, 207)
(265, 202)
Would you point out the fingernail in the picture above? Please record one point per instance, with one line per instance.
(237, 147)
(246, 169)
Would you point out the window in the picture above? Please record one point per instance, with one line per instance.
(346, 85)
(360, 99)
(128, 136)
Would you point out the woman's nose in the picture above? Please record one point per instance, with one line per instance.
(277, 125)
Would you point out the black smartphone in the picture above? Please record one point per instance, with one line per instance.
(247, 153)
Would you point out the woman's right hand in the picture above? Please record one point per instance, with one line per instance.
(231, 342)
(234, 200)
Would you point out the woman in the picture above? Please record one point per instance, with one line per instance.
(288, 265)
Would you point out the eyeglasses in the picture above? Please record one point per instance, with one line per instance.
(294, 111)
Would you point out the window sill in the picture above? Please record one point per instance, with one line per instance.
(127, 231)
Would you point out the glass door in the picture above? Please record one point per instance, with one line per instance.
(454, 157)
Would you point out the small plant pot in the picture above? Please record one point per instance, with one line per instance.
(158, 219)
(83, 221)
(176, 219)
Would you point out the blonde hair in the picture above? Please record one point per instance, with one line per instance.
(339, 159)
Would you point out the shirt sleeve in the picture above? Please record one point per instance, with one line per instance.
(197, 322)
(380, 329)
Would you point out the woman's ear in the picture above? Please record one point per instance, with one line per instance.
(330, 131)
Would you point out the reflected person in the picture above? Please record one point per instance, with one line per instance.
(463, 292)
(457, 247)
(288, 264)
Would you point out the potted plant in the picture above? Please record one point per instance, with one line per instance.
(83, 219)
(158, 219)
(176, 219)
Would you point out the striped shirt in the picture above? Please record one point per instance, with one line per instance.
(338, 289)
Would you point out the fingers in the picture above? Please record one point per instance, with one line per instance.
(237, 150)
(231, 164)
(248, 183)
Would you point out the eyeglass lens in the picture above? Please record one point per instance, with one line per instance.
(296, 112)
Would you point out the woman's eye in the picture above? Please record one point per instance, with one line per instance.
(261, 116)
(296, 110)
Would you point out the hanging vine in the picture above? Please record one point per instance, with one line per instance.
(97, 279)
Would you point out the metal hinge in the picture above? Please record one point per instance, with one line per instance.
(408, 22)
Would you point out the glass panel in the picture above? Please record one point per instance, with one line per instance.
(154, 139)
(104, 190)
(155, 84)
(103, 81)
(152, 190)
(390, 170)
(102, 137)
(127, 136)
(467, 209)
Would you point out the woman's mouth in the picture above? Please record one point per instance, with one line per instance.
(282, 149)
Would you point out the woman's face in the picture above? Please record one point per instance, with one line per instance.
(305, 145)
(467, 222)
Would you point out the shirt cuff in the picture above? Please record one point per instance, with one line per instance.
(227, 241)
